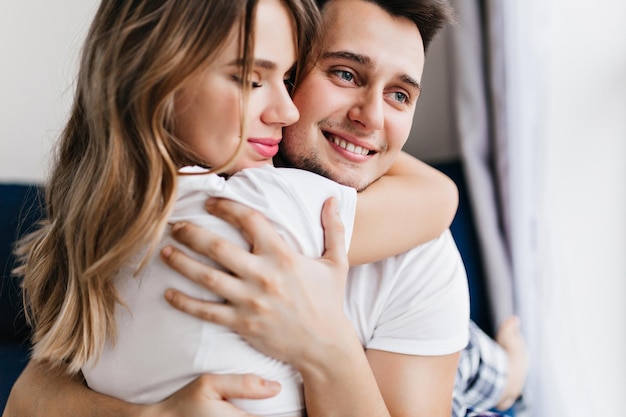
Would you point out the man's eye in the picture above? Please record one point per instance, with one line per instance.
(344, 75)
(400, 97)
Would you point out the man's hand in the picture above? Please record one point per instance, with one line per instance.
(280, 301)
(284, 304)
(208, 395)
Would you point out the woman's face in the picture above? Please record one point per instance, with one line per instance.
(207, 110)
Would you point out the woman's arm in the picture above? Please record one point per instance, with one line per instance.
(411, 204)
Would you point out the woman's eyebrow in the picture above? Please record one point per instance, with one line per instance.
(261, 63)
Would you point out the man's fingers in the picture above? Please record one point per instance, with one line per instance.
(215, 280)
(254, 226)
(334, 233)
(229, 255)
(248, 386)
(214, 312)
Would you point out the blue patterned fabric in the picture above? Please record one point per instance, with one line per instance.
(481, 375)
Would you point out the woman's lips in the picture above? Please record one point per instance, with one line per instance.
(266, 147)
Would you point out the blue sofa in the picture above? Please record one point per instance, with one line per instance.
(21, 207)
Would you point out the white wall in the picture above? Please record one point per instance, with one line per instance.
(39, 43)
(433, 137)
(585, 167)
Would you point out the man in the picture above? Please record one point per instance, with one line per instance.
(349, 99)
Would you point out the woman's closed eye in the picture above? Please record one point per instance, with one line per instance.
(253, 81)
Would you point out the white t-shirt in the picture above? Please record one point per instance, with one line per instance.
(415, 303)
(159, 349)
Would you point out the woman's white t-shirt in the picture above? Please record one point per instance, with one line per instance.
(158, 349)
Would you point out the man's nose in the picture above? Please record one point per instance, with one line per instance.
(368, 110)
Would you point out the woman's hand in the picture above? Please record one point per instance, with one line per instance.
(280, 301)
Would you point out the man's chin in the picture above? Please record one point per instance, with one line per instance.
(341, 175)
(349, 179)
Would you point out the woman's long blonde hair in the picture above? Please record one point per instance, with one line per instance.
(114, 178)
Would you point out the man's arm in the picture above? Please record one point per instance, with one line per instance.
(279, 294)
(415, 385)
(43, 391)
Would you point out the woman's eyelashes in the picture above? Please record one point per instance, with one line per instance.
(289, 80)
(254, 80)
(289, 85)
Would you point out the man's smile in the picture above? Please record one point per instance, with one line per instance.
(347, 146)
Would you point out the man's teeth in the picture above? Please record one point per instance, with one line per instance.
(350, 147)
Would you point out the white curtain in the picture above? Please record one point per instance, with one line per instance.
(478, 100)
(525, 51)
(498, 60)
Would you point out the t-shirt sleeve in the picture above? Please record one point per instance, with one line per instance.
(427, 308)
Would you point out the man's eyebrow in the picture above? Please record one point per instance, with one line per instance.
(366, 60)
(350, 56)
(412, 82)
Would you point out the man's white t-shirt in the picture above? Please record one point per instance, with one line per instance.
(415, 303)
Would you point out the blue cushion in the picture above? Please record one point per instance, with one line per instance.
(20, 208)
(466, 238)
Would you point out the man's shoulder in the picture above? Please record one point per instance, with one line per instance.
(416, 302)
(430, 262)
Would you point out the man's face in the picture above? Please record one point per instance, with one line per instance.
(356, 106)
